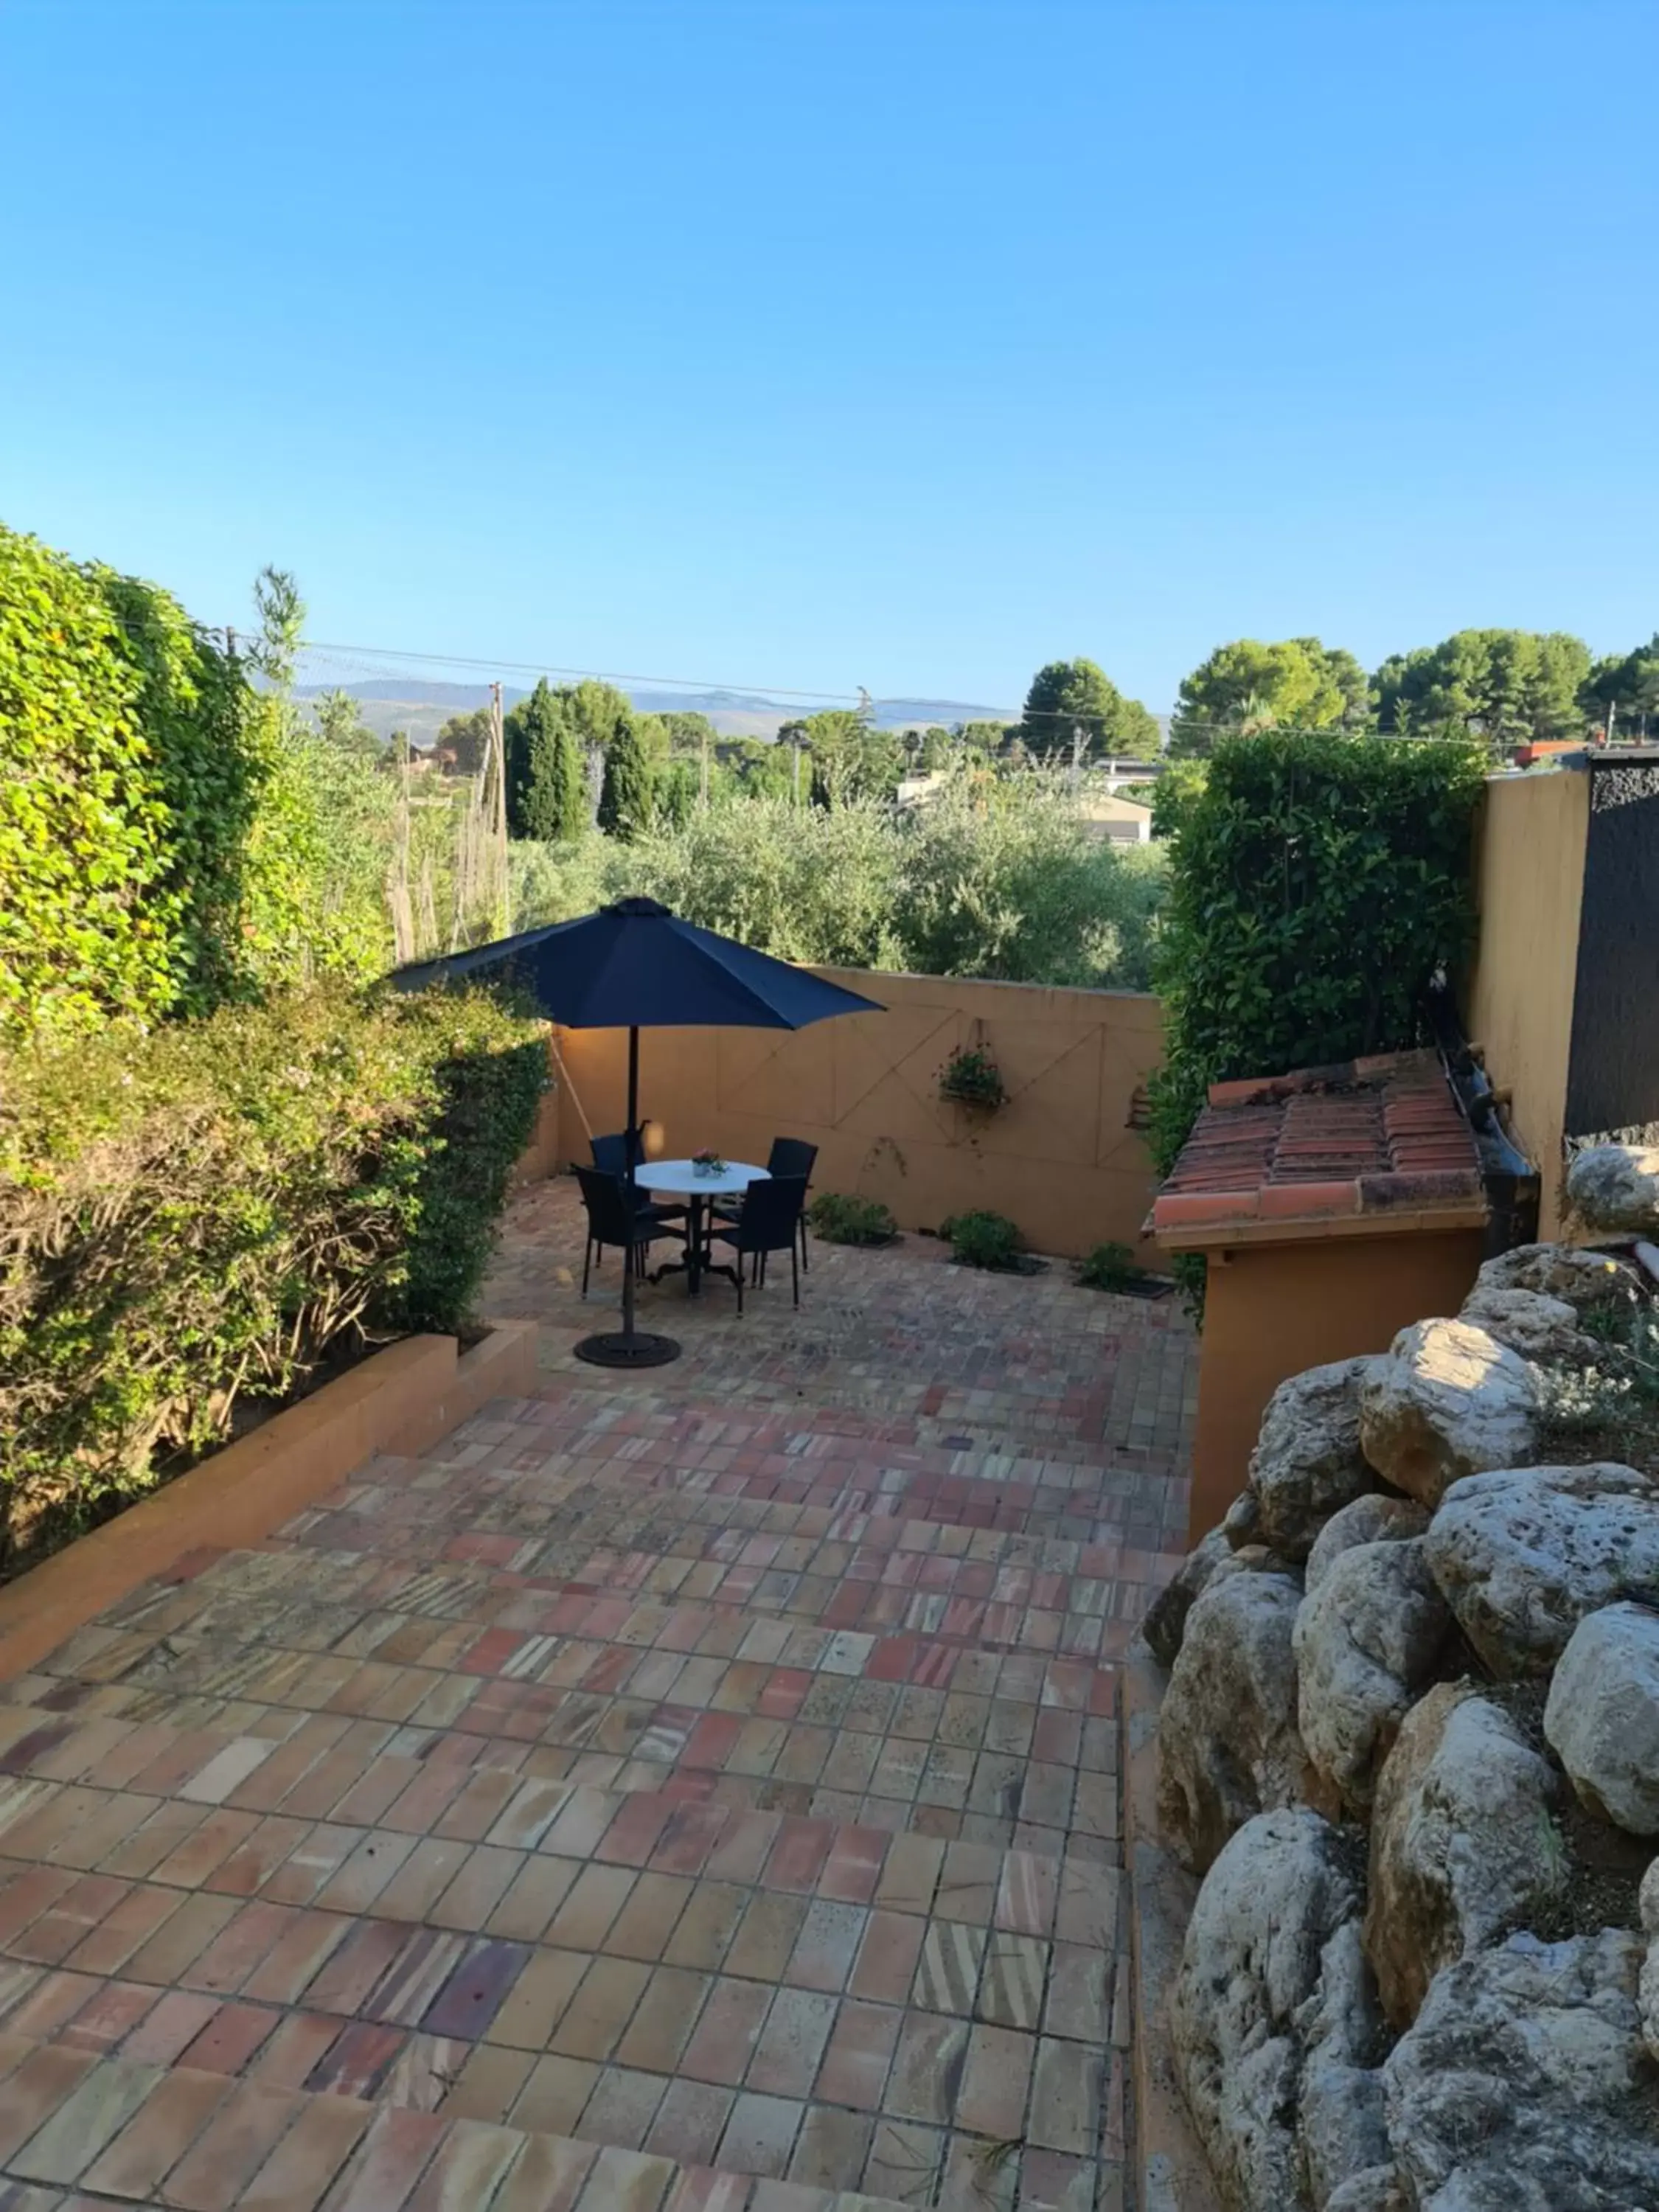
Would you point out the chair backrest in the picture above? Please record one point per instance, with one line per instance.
(771, 1214)
(610, 1153)
(791, 1156)
(607, 1208)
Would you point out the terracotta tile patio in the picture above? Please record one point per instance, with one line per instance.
(698, 1791)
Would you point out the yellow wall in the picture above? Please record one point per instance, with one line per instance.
(1271, 1310)
(1529, 877)
(1059, 1158)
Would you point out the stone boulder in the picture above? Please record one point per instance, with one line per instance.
(1586, 1281)
(1166, 1617)
(1602, 1718)
(1537, 1326)
(1463, 1847)
(1340, 2123)
(1522, 1555)
(1524, 2085)
(1446, 1401)
(1227, 1743)
(1375, 1518)
(1647, 1994)
(1367, 1643)
(1307, 1461)
(1241, 1522)
(1614, 1189)
(1249, 1992)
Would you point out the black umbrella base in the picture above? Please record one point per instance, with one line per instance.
(623, 1348)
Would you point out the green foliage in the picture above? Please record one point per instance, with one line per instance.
(840, 1219)
(851, 759)
(625, 796)
(1623, 690)
(971, 1077)
(1182, 781)
(1316, 885)
(208, 1209)
(1506, 686)
(983, 1240)
(546, 771)
(1110, 1267)
(132, 770)
(1608, 1407)
(466, 739)
(995, 878)
(1247, 687)
(1069, 695)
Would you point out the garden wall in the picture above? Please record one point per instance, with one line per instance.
(1063, 1157)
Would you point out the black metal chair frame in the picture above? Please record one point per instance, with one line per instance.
(600, 1193)
(771, 1210)
(789, 1156)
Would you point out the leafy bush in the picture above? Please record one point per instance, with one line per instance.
(995, 878)
(849, 1220)
(209, 1209)
(1317, 883)
(1110, 1267)
(1609, 1407)
(983, 1240)
(972, 1078)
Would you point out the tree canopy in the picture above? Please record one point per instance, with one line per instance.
(1507, 686)
(1071, 696)
(625, 795)
(546, 767)
(1245, 686)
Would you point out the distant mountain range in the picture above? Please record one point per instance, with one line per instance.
(421, 707)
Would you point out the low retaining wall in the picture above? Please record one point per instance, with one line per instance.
(401, 1400)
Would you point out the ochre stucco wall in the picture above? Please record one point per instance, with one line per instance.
(1517, 1002)
(1059, 1158)
(1271, 1310)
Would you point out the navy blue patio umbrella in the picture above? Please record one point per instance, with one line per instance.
(634, 966)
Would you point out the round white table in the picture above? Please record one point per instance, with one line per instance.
(684, 1179)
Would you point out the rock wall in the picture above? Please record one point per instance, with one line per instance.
(1413, 1679)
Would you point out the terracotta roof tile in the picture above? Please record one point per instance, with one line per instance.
(1384, 1134)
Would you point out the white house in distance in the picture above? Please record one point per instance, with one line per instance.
(1105, 814)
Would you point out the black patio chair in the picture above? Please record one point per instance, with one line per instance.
(607, 1204)
(610, 1156)
(769, 1222)
(789, 1156)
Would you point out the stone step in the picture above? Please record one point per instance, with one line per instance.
(118, 2131)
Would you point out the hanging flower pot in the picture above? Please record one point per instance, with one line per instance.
(970, 1077)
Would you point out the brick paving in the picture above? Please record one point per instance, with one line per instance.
(696, 1792)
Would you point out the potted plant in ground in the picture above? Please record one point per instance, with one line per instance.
(848, 1220)
(970, 1077)
(1115, 1268)
(989, 1241)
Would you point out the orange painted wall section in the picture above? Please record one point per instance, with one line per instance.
(1517, 1000)
(1061, 1159)
(1272, 1310)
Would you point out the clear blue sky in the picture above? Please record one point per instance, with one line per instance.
(814, 342)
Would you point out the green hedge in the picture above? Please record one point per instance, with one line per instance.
(1317, 884)
(207, 1211)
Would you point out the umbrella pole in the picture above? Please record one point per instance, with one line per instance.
(629, 1347)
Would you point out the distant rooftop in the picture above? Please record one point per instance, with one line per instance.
(1362, 1145)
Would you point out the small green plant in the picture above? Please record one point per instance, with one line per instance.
(1110, 1267)
(971, 1077)
(840, 1219)
(983, 1240)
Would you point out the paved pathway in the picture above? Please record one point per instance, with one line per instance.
(697, 1794)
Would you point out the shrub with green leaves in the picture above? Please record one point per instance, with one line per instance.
(1110, 1267)
(983, 1240)
(840, 1219)
(1317, 883)
(207, 1210)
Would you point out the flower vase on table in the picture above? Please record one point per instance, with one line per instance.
(708, 1163)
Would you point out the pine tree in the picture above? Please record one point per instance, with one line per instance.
(625, 795)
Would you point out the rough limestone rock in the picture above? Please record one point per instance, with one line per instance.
(1375, 1518)
(1307, 1461)
(1463, 1847)
(1367, 1643)
(1522, 1555)
(1537, 1327)
(1584, 1280)
(1524, 2085)
(1647, 1994)
(1614, 1189)
(1602, 1718)
(1254, 1559)
(1446, 1401)
(1241, 1522)
(1252, 1967)
(1339, 2123)
(1227, 1745)
(1166, 1617)
(1379, 2189)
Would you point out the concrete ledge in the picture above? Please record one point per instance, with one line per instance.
(401, 1400)
(1174, 2173)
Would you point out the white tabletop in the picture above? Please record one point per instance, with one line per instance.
(686, 1180)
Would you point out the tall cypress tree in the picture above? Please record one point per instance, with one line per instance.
(625, 795)
(547, 796)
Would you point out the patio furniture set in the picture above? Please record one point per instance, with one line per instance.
(769, 1215)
